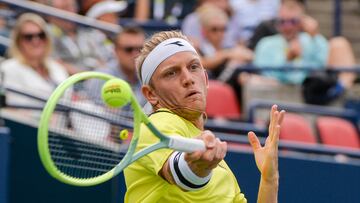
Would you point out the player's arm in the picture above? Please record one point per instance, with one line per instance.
(266, 158)
(200, 163)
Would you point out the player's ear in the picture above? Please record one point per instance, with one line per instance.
(150, 94)
(206, 78)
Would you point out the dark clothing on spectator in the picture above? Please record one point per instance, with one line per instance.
(264, 29)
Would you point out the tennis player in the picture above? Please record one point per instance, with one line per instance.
(175, 84)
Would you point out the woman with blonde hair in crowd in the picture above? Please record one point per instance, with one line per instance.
(30, 68)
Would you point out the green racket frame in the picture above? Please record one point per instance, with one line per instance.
(139, 117)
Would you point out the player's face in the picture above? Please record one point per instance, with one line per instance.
(32, 41)
(180, 83)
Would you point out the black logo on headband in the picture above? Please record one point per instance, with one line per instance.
(176, 43)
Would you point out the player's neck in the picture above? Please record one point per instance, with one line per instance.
(199, 123)
(195, 117)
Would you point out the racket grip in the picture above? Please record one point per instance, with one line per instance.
(186, 144)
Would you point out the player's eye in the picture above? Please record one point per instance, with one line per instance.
(170, 73)
(195, 66)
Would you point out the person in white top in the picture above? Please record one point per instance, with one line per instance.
(31, 69)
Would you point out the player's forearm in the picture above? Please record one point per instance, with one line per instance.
(166, 174)
(268, 190)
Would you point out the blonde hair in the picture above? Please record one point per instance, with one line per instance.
(14, 50)
(150, 44)
(208, 12)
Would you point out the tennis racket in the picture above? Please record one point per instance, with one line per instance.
(83, 142)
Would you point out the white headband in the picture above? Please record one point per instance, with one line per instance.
(161, 52)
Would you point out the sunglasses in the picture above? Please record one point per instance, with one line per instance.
(131, 49)
(290, 21)
(217, 29)
(30, 36)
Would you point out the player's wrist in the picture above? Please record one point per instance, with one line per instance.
(183, 175)
(273, 179)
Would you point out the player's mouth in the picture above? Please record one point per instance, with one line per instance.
(193, 93)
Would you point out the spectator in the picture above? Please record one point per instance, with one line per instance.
(107, 11)
(245, 22)
(127, 47)
(291, 46)
(221, 62)
(7, 21)
(30, 68)
(264, 29)
(170, 11)
(78, 48)
(191, 25)
(300, 44)
(265, 8)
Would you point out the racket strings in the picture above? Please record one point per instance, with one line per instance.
(84, 139)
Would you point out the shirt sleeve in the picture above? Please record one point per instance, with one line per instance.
(168, 124)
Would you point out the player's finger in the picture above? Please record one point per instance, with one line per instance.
(274, 121)
(281, 116)
(272, 114)
(268, 140)
(273, 109)
(254, 141)
(194, 156)
(224, 149)
(219, 150)
(209, 154)
(275, 140)
(209, 139)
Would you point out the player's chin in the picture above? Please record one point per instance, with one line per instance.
(198, 105)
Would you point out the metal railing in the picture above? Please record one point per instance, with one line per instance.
(337, 27)
(65, 15)
(229, 137)
(349, 114)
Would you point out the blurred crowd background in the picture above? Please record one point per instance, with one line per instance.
(300, 54)
(256, 52)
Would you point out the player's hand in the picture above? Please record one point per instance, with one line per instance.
(266, 157)
(202, 162)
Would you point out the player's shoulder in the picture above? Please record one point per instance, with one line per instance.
(166, 116)
(169, 122)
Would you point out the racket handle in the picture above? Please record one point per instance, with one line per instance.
(186, 144)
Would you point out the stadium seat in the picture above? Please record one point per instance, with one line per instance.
(337, 131)
(296, 128)
(222, 101)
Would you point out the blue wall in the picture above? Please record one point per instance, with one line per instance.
(301, 180)
(4, 163)
(29, 182)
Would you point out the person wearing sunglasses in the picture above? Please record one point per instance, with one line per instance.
(220, 61)
(128, 44)
(76, 47)
(299, 44)
(31, 68)
(191, 25)
(293, 46)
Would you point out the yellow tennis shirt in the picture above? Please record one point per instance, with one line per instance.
(145, 185)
